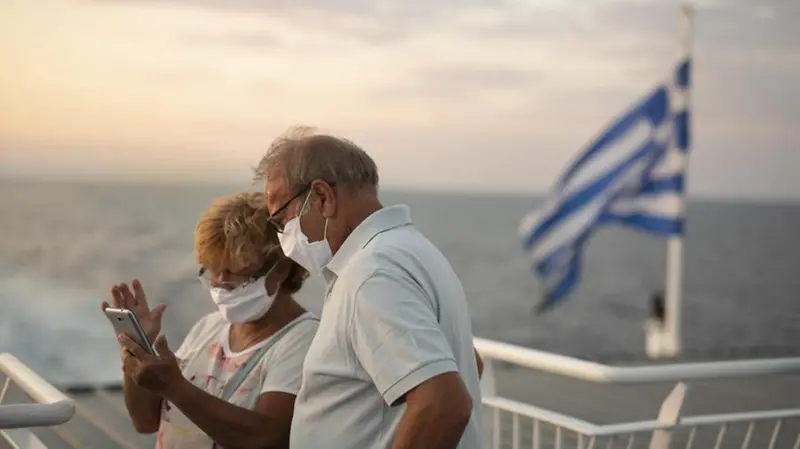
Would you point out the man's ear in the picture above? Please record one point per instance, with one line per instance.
(326, 195)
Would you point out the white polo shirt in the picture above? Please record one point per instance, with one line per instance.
(394, 316)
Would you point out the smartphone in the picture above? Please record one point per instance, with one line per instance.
(125, 322)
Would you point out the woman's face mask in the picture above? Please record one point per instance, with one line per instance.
(244, 303)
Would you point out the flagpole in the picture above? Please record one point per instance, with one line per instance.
(673, 291)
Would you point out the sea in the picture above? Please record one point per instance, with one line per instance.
(64, 244)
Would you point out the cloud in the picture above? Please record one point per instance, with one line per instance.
(467, 83)
(375, 21)
(472, 76)
(180, 76)
(257, 40)
(472, 81)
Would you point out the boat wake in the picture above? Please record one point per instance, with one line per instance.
(59, 332)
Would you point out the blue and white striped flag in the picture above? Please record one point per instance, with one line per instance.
(633, 175)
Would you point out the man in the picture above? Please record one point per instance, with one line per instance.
(392, 365)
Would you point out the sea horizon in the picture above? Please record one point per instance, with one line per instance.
(392, 188)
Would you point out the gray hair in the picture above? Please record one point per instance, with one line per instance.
(304, 155)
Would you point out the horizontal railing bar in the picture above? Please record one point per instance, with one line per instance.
(544, 415)
(761, 415)
(596, 372)
(591, 429)
(53, 407)
(699, 420)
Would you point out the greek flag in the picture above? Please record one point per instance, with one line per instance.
(632, 175)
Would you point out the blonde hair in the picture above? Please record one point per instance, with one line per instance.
(233, 234)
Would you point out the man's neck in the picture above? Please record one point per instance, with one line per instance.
(360, 207)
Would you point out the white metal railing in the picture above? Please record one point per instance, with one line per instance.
(51, 406)
(516, 424)
(596, 372)
(535, 427)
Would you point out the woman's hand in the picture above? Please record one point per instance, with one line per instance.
(136, 302)
(156, 373)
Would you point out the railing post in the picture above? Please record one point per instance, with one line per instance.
(669, 415)
(488, 382)
(5, 389)
(489, 389)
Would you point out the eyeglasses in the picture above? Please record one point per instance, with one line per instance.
(205, 278)
(278, 225)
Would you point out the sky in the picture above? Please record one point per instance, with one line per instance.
(479, 95)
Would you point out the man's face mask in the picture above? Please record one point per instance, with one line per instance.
(313, 256)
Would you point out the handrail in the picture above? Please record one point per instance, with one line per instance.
(597, 372)
(52, 408)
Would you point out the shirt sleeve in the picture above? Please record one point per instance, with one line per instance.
(285, 365)
(396, 335)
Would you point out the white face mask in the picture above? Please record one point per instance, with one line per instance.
(246, 303)
(313, 256)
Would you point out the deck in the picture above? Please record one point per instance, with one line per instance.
(101, 420)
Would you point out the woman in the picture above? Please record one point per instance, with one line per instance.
(233, 380)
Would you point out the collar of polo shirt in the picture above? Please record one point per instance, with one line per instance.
(380, 221)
